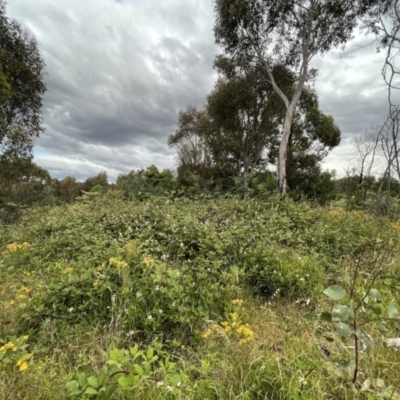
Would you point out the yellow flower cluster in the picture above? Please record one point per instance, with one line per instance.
(8, 346)
(96, 284)
(237, 302)
(245, 333)
(22, 293)
(13, 357)
(149, 261)
(396, 225)
(13, 247)
(67, 270)
(117, 263)
(234, 328)
(212, 329)
(22, 363)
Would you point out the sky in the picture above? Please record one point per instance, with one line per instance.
(119, 71)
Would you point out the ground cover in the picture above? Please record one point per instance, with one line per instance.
(221, 298)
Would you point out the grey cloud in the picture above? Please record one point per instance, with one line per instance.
(119, 72)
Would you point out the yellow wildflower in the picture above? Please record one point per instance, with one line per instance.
(117, 263)
(23, 366)
(206, 334)
(237, 302)
(149, 261)
(68, 270)
(7, 346)
(26, 337)
(13, 247)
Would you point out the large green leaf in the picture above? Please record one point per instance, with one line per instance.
(343, 329)
(335, 292)
(393, 311)
(340, 313)
(93, 381)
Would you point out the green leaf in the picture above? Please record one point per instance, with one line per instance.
(73, 386)
(329, 338)
(335, 292)
(133, 350)
(130, 381)
(109, 390)
(376, 310)
(150, 353)
(382, 326)
(309, 317)
(93, 381)
(340, 313)
(82, 379)
(392, 311)
(343, 329)
(90, 390)
(326, 316)
(375, 296)
(138, 369)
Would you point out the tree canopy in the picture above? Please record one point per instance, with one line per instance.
(289, 33)
(22, 88)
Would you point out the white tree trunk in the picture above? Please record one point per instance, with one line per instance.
(282, 182)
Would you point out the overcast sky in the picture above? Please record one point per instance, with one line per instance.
(119, 72)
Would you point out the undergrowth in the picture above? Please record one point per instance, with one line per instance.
(212, 298)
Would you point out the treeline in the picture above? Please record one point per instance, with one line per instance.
(37, 188)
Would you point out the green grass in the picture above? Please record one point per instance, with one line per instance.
(107, 273)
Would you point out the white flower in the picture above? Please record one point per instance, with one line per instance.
(71, 309)
(173, 303)
(138, 295)
(160, 311)
(160, 383)
(150, 317)
(157, 287)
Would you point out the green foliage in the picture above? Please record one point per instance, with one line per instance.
(146, 182)
(99, 181)
(107, 273)
(130, 372)
(358, 306)
(21, 94)
(271, 270)
(13, 354)
(22, 71)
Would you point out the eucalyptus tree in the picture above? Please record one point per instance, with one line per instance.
(288, 32)
(22, 87)
(193, 154)
(241, 121)
(246, 118)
